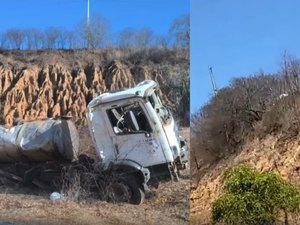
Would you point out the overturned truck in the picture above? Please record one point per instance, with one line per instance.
(135, 137)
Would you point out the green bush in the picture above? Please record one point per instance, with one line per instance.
(252, 197)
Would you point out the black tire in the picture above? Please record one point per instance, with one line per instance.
(126, 189)
(137, 194)
(118, 192)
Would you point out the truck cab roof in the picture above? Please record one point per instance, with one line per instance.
(142, 89)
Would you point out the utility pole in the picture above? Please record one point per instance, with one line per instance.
(88, 13)
(212, 79)
(87, 30)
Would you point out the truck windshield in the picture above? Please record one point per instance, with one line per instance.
(129, 119)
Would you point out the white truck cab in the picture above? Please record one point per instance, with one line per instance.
(132, 128)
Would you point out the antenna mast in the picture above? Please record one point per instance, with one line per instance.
(212, 79)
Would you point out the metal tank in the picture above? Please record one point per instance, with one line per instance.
(42, 140)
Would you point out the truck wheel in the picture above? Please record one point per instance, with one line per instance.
(118, 192)
(137, 194)
(127, 189)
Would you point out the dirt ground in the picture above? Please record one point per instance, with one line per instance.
(169, 204)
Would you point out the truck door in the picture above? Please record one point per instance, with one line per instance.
(132, 136)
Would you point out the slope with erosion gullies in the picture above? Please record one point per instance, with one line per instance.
(40, 84)
(274, 145)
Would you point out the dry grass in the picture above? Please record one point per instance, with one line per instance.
(169, 204)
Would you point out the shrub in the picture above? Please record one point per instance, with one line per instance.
(252, 197)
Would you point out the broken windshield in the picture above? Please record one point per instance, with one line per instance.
(129, 119)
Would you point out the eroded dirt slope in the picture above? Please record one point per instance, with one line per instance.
(49, 84)
(273, 153)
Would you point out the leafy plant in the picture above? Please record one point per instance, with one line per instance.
(252, 197)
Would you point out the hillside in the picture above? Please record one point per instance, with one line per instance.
(40, 84)
(250, 122)
(273, 153)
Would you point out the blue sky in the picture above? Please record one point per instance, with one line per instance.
(156, 14)
(239, 38)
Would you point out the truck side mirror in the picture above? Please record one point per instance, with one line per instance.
(131, 120)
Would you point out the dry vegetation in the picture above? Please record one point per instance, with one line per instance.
(169, 204)
(254, 121)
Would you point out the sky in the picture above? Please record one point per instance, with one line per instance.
(155, 14)
(239, 38)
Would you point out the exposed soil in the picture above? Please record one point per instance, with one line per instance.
(169, 204)
(36, 85)
(276, 153)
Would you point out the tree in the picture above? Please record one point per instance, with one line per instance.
(99, 28)
(252, 198)
(179, 85)
(15, 38)
(160, 42)
(62, 38)
(126, 38)
(38, 39)
(290, 70)
(95, 34)
(33, 38)
(51, 37)
(143, 37)
(71, 40)
(28, 33)
(3, 40)
(180, 31)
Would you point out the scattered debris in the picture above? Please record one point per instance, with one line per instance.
(55, 196)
